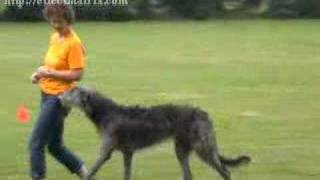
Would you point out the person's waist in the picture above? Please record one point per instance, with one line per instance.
(49, 89)
(44, 94)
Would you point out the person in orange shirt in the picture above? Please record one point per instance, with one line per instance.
(64, 64)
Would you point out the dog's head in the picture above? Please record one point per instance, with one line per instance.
(78, 97)
(87, 100)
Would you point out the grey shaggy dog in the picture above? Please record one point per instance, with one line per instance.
(130, 128)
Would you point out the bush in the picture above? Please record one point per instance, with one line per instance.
(295, 8)
(284, 8)
(23, 12)
(198, 9)
(309, 8)
(252, 2)
(142, 9)
(102, 13)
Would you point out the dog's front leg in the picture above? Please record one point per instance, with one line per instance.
(105, 154)
(127, 160)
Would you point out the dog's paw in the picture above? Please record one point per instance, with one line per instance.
(91, 178)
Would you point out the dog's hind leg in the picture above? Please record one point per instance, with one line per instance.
(105, 154)
(205, 146)
(235, 162)
(127, 160)
(182, 153)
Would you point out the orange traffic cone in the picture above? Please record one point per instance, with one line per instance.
(23, 114)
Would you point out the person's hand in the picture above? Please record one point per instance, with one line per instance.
(34, 78)
(43, 72)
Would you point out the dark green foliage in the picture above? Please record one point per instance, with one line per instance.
(27, 12)
(142, 9)
(199, 9)
(295, 8)
(169, 9)
(196, 9)
(21, 12)
(309, 8)
(283, 8)
(100, 13)
(252, 2)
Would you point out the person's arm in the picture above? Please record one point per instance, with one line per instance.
(66, 75)
(34, 78)
(76, 61)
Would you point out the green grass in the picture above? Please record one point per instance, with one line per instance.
(260, 80)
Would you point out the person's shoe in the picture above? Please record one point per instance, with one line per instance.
(38, 178)
(83, 173)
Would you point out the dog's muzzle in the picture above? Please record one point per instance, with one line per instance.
(61, 98)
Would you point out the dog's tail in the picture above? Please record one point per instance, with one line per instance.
(235, 162)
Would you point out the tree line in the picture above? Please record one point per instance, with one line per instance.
(116, 10)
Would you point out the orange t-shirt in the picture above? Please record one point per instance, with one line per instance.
(63, 54)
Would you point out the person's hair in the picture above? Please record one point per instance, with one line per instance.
(61, 10)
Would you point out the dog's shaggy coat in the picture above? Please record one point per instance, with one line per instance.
(130, 128)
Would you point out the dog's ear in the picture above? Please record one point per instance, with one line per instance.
(88, 89)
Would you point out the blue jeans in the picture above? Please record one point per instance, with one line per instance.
(48, 132)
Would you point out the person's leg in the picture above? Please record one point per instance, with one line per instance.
(55, 142)
(38, 140)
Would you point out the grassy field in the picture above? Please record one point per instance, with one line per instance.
(259, 80)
